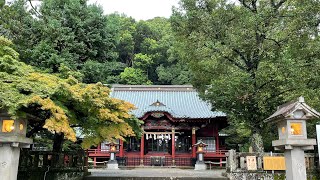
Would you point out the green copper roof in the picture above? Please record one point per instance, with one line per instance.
(181, 101)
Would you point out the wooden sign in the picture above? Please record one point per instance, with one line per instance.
(274, 163)
(251, 163)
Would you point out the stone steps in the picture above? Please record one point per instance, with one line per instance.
(156, 174)
(152, 178)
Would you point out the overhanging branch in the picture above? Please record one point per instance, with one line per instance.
(235, 63)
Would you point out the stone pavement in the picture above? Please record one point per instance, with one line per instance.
(156, 174)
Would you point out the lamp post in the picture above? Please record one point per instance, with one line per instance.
(12, 138)
(112, 163)
(200, 165)
(290, 119)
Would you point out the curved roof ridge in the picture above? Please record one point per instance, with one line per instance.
(119, 87)
(158, 109)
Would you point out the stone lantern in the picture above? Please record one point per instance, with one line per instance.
(12, 138)
(113, 149)
(200, 165)
(290, 119)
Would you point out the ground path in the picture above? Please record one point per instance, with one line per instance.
(156, 174)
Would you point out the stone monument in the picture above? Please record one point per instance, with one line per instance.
(12, 138)
(291, 123)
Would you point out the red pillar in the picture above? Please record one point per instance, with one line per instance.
(193, 141)
(99, 147)
(121, 148)
(94, 161)
(142, 149)
(173, 149)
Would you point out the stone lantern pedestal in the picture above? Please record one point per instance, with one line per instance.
(200, 165)
(291, 123)
(12, 138)
(113, 163)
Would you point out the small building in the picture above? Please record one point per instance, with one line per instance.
(175, 118)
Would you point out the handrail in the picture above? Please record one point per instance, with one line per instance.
(96, 151)
(217, 151)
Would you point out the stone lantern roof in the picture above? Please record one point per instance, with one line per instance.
(286, 111)
(200, 143)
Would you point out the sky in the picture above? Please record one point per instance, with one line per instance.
(138, 9)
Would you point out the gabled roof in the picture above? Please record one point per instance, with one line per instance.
(287, 109)
(181, 101)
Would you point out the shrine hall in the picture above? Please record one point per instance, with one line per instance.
(175, 118)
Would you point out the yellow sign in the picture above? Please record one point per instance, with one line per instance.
(274, 163)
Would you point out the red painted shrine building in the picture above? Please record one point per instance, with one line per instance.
(174, 118)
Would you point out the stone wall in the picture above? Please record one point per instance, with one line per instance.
(255, 176)
(264, 176)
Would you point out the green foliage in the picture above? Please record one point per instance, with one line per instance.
(142, 61)
(2, 3)
(174, 74)
(72, 35)
(107, 72)
(250, 57)
(60, 32)
(51, 103)
(134, 77)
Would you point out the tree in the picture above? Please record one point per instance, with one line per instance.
(244, 56)
(108, 72)
(58, 105)
(134, 76)
(60, 32)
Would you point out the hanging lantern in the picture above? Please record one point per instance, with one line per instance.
(147, 137)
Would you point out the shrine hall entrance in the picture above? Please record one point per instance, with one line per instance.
(162, 143)
(158, 145)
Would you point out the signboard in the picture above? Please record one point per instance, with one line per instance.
(251, 163)
(274, 163)
(318, 140)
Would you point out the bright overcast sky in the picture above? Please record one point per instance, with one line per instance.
(138, 9)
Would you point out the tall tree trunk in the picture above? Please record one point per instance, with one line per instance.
(257, 143)
(58, 142)
(57, 148)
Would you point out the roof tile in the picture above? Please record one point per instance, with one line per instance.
(180, 101)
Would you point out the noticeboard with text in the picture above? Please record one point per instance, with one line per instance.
(251, 163)
(276, 163)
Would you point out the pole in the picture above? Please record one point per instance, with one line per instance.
(318, 141)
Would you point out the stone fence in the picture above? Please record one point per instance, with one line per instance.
(238, 168)
(36, 165)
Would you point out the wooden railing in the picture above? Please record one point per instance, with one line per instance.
(98, 151)
(106, 152)
(221, 152)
